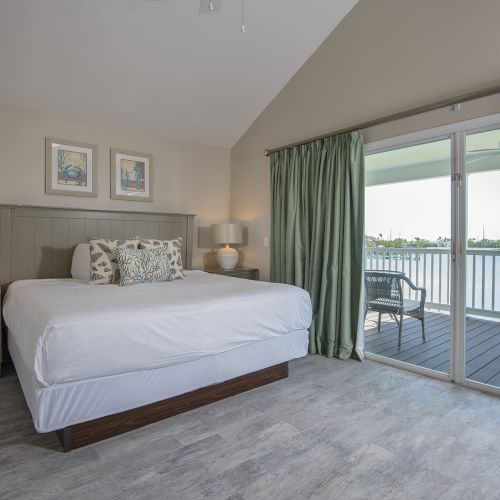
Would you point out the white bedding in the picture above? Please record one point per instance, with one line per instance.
(68, 330)
(60, 405)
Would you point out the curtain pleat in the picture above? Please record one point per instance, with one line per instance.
(317, 225)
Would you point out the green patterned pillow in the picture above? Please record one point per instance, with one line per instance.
(144, 266)
(104, 266)
(174, 248)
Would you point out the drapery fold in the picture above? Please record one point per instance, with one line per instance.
(317, 224)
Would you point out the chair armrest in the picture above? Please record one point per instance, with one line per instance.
(423, 291)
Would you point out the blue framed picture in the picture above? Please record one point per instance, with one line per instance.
(131, 176)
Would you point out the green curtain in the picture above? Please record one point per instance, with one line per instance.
(317, 230)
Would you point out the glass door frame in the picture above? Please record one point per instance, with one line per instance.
(484, 124)
(456, 133)
(401, 142)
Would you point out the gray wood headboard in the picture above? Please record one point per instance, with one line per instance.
(38, 242)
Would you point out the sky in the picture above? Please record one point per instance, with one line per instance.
(422, 208)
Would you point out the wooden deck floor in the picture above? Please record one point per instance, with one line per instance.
(482, 344)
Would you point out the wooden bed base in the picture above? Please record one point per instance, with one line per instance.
(85, 433)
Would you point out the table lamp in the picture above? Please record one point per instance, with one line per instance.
(226, 234)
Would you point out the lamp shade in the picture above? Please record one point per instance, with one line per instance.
(227, 233)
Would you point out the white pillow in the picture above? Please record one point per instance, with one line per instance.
(80, 265)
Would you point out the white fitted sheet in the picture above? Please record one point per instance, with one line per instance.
(61, 405)
(67, 330)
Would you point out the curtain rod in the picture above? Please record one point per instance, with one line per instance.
(470, 96)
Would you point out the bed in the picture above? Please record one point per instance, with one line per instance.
(96, 361)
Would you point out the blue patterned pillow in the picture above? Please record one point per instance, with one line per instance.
(144, 266)
(174, 248)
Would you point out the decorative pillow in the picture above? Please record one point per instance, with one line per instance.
(104, 266)
(174, 252)
(80, 264)
(144, 266)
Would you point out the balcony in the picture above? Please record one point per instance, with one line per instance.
(430, 268)
(482, 344)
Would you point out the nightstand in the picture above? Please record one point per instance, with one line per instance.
(249, 273)
(2, 330)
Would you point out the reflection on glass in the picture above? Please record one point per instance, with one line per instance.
(482, 338)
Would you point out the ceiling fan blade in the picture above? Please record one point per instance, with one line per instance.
(210, 6)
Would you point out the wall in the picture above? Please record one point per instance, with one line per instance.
(188, 177)
(385, 56)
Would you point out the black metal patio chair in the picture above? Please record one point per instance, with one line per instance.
(384, 294)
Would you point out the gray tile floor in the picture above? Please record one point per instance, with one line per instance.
(334, 429)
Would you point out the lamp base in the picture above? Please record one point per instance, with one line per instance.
(227, 258)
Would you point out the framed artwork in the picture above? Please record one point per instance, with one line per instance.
(70, 168)
(131, 176)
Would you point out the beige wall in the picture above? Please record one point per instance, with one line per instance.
(386, 56)
(188, 177)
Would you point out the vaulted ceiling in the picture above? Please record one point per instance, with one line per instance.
(157, 65)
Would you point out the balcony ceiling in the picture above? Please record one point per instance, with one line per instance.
(157, 65)
(431, 160)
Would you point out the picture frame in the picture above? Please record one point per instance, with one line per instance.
(131, 175)
(70, 168)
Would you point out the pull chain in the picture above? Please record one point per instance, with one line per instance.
(243, 27)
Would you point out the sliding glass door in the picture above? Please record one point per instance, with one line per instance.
(482, 257)
(432, 268)
(408, 258)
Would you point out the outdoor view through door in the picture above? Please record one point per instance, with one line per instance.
(432, 242)
(482, 332)
(408, 220)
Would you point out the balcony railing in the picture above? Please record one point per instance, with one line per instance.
(430, 268)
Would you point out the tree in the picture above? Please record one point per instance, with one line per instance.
(483, 243)
(422, 243)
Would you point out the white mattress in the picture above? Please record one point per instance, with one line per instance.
(57, 406)
(67, 330)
